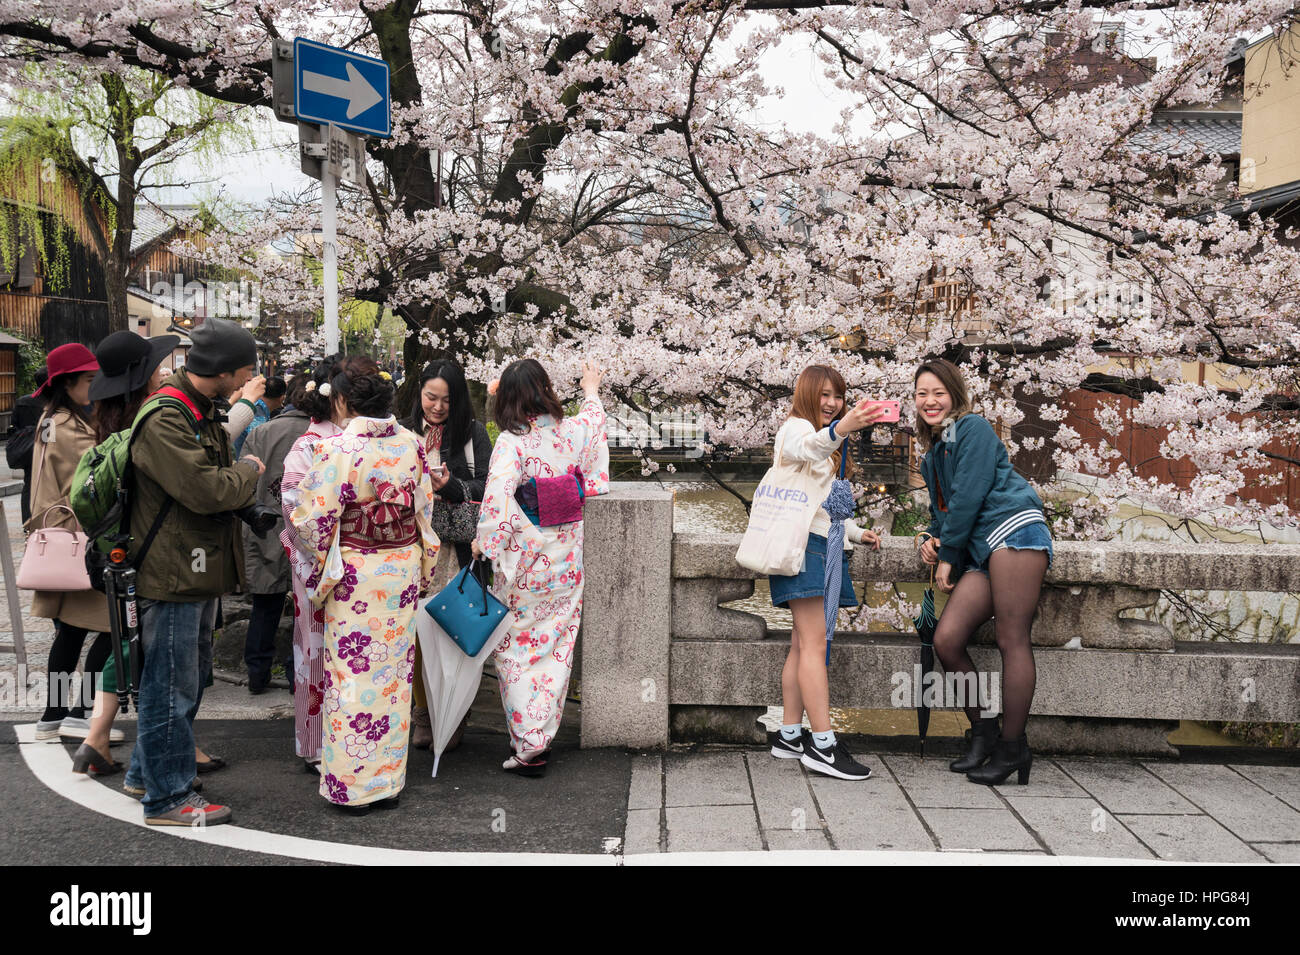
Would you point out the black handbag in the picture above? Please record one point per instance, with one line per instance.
(19, 447)
(457, 522)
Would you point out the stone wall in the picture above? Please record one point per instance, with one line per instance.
(655, 637)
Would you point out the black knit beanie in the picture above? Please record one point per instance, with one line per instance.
(220, 345)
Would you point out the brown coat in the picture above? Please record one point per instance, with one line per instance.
(196, 555)
(53, 464)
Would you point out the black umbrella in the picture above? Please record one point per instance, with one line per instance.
(925, 623)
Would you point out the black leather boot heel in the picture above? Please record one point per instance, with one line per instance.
(1009, 756)
(983, 735)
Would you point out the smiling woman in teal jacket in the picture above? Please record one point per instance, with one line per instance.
(989, 539)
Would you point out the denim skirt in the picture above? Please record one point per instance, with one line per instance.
(1035, 536)
(811, 579)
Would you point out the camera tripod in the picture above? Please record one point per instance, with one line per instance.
(124, 627)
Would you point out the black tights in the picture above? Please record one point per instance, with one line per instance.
(65, 651)
(1009, 594)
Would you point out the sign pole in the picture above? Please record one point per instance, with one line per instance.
(329, 259)
(327, 90)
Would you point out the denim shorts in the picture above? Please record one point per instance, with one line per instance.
(1035, 536)
(811, 579)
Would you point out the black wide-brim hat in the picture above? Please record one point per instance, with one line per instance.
(126, 361)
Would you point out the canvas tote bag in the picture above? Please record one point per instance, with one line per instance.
(785, 503)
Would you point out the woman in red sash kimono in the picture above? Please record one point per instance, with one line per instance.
(364, 517)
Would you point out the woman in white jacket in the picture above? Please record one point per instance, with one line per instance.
(813, 435)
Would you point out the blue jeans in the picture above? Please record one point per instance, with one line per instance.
(259, 644)
(177, 642)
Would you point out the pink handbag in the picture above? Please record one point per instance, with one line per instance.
(55, 558)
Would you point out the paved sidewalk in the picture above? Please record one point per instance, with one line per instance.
(1119, 809)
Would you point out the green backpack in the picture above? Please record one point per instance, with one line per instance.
(102, 484)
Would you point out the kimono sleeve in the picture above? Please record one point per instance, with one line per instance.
(296, 464)
(800, 443)
(423, 495)
(315, 519)
(502, 525)
(593, 457)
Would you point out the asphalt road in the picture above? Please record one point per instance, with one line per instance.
(473, 806)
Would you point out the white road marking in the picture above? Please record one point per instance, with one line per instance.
(50, 763)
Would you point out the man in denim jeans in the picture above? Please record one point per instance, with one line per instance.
(183, 671)
(187, 487)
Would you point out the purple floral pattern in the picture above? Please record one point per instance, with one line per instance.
(335, 789)
(366, 703)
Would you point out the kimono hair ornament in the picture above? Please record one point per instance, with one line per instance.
(311, 386)
(493, 385)
(325, 389)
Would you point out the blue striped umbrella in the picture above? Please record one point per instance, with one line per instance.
(839, 505)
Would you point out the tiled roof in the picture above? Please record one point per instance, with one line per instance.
(1176, 135)
(153, 220)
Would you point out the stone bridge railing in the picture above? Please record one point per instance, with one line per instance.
(661, 660)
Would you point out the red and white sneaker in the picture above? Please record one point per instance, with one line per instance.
(195, 812)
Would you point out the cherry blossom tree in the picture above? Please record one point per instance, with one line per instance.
(609, 191)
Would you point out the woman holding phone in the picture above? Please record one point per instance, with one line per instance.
(455, 442)
(458, 450)
(814, 434)
(991, 546)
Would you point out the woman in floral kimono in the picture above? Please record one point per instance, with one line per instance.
(364, 517)
(308, 621)
(538, 555)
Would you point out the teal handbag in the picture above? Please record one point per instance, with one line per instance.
(470, 614)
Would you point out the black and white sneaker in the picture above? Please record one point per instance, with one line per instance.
(833, 761)
(783, 748)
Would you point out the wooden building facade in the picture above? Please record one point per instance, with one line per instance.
(51, 278)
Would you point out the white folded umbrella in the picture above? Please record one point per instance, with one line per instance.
(451, 678)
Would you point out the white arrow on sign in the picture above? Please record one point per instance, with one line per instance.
(355, 89)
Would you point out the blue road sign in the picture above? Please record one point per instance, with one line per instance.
(340, 87)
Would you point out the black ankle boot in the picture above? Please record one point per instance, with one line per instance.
(983, 736)
(1009, 756)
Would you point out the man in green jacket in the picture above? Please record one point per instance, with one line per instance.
(195, 557)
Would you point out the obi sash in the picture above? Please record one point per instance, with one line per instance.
(551, 501)
(383, 523)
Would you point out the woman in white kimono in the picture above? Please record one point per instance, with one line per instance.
(532, 533)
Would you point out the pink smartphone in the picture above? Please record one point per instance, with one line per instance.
(892, 409)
